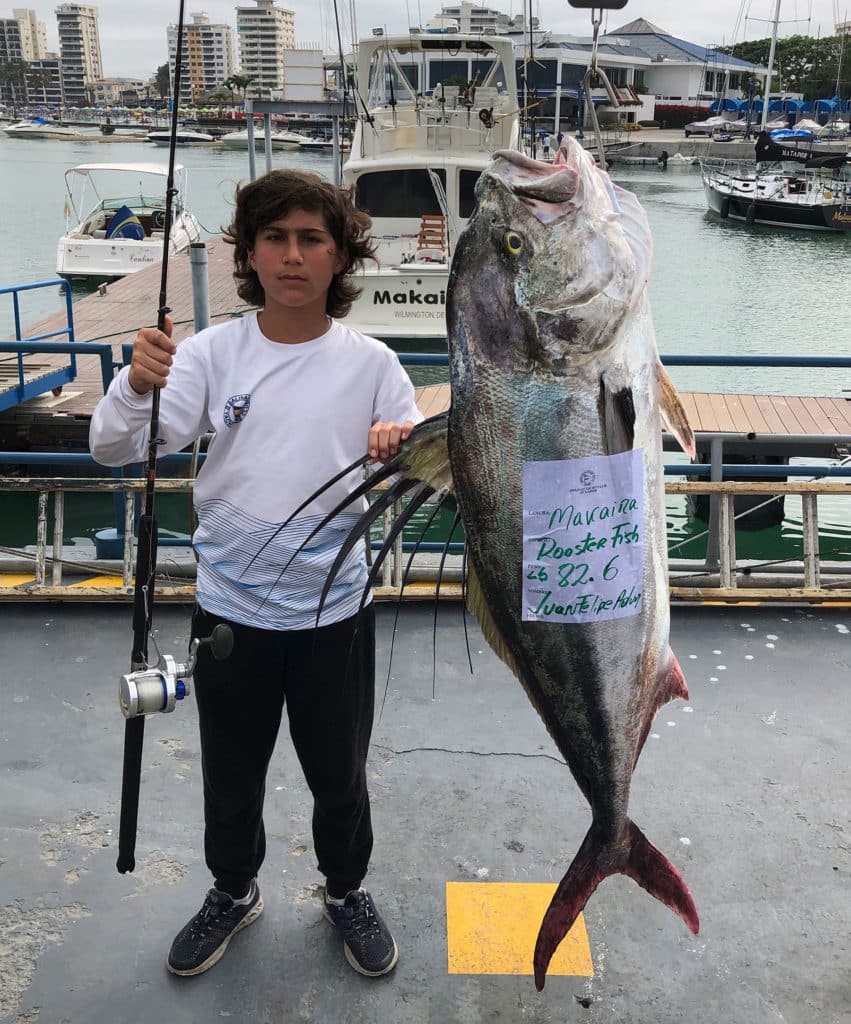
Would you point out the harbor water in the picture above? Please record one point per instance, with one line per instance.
(716, 288)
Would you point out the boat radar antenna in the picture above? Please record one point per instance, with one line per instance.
(147, 688)
(596, 76)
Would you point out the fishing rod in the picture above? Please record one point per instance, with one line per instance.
(150, 689)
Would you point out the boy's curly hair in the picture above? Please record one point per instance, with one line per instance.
(274, 195)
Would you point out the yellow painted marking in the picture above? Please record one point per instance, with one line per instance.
(15, 579)
(491, 928)
(99, 581)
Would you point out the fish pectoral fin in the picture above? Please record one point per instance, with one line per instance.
(638, 859)
(677, 688)
(617, 416)
(425, 455)
(478, 606)
(674, 414)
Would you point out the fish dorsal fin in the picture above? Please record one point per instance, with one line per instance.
(673, 412)
(479, 607)
(617, 415)
(633, 220)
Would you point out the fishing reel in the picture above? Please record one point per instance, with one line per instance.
(159, 687)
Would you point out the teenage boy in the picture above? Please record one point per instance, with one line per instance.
(292, 397)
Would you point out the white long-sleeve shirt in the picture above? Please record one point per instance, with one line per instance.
(285, 418)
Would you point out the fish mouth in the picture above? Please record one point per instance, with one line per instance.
(534, 182)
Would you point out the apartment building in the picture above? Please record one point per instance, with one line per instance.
(209, 57)
(23, 45)
(473, 18)
(264, 32)
(44, 81)
(23, 36)
(79, 48)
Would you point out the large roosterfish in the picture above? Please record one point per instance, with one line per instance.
(554, 442)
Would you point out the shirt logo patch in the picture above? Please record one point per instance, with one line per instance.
(236, 409)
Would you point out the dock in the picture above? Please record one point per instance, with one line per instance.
(746, 789)
(116, 311)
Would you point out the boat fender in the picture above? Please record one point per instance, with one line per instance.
(725, 207)
(750, 216)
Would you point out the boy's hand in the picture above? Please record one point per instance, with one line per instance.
(384, 440)
(152, 357)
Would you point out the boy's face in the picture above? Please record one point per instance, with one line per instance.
(295, 258)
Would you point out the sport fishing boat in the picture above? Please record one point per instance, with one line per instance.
(118, 212)
(417, 152)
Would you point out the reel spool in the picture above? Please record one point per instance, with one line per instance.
(149, 691)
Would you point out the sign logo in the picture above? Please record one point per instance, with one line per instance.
(587, 477)
(236, 409)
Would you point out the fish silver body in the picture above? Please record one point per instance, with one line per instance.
(553, 357)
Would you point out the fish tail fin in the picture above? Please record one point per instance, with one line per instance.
(644, 863)
(655, 873)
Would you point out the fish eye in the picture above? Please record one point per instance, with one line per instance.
(513, 243)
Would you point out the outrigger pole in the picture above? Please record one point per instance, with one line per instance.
(146, 550)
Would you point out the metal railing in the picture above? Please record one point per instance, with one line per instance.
(56, 378)
(729, 581)
(721, 576)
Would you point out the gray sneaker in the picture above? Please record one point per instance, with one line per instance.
(203, 940)
(367, 942)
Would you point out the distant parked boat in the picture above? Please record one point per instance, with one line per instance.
(279, 139)
(41, 128)
(184, 137)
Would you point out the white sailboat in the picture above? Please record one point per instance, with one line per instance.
(788, 187)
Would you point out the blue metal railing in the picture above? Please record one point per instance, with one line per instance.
(56, 378)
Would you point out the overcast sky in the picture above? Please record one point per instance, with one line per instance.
(133, 38)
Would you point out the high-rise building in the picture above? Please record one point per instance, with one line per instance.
(33, 32)
(13, 86)
(208, 57)
(23, 48)
(264, 31)
(79, 47)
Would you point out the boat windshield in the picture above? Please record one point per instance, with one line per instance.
(395, 193)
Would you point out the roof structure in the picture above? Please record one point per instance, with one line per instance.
(646, 40)
(639, 27)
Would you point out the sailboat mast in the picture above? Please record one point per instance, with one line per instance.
(770, 66)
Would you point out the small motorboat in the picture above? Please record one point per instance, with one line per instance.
(185, 137)
(115, 220)
(280, 139)
(41, 128)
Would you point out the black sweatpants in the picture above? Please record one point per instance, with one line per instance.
(328, 684)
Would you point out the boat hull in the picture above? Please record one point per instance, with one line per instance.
(803, 216)
(400, 302)
(106, 259)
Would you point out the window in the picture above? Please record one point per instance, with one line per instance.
(466, 198)
(398, 193)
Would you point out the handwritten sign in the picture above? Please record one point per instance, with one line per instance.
(583, 543)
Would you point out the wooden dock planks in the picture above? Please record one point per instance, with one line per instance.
(131, 302)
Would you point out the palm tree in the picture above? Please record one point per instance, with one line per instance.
(39, 79)
(13, 75)
(240, 82)
(218, 97)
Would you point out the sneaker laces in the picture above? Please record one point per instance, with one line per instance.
(214, 906)
(361, 916)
